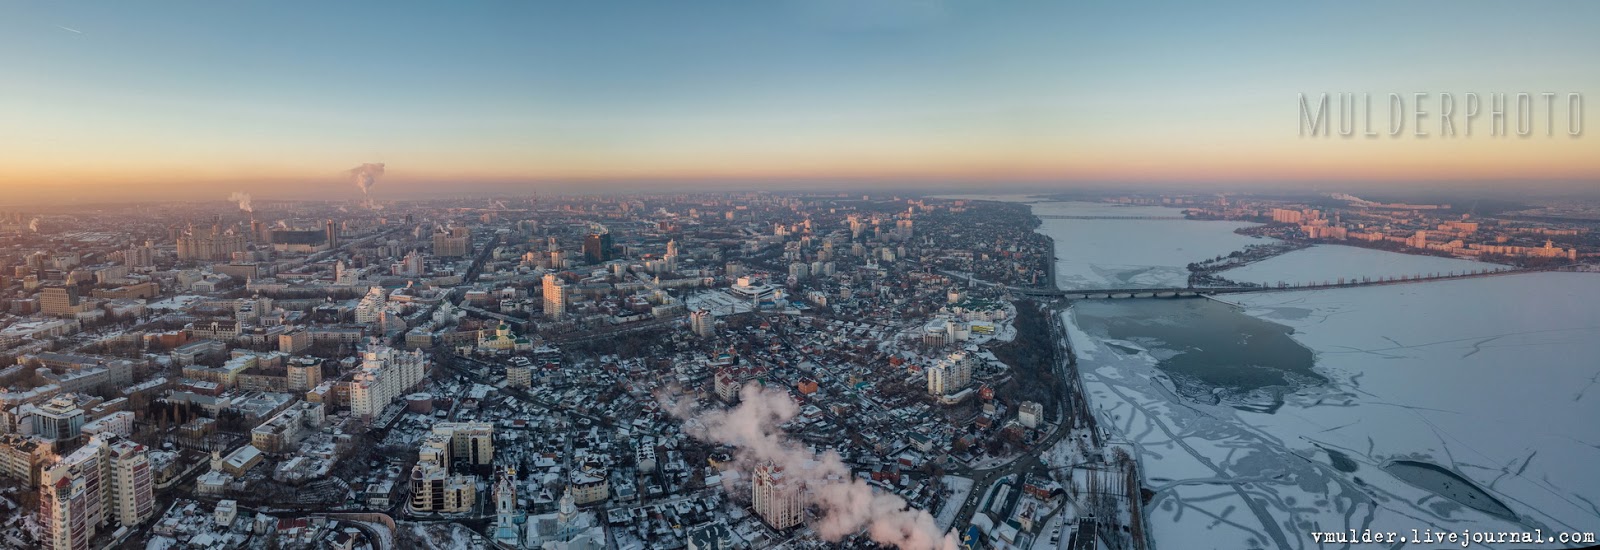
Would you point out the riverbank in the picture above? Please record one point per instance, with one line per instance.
(1052, 377)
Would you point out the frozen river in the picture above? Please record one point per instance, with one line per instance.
(1128, 253)
(1108, 253)
(1491, 380)
(1454, 405)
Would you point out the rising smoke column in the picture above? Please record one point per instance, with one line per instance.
(848, 504)
(366, 175)
(243, 199)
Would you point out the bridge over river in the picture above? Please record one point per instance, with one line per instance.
(1196, 291)
(1047, 217)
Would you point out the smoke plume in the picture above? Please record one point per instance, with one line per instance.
(243, 200)
(33, 225)
(848, 504)
(366, 175)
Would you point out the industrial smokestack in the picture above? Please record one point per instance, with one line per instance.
(243, 199)
(848, 504)
(366, 175)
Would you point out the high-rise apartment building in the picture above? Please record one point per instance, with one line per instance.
(411, 265)
(106, 479)
(452, 243)
(555, 297)
(330, 234)
(670, 259)
(433, 487)
(385, 375)
(519, 373)
(472, 442)
(703, 323)
(71, 505)
(217, 245)
(950, 374)
(139, 256)
(132, 483)
(371, 306)
(777, 499)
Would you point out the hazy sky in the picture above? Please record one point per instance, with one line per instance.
(279, 97)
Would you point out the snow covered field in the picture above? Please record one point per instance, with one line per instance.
(718, 302)
(1494, 379)
(960, 488)
(1329, 262)
(1132, 253)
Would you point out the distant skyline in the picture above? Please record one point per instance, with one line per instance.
(123, 99)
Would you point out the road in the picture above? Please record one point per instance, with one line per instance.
(1028, 460)
(617, 330)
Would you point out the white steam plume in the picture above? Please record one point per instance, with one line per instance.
(848, 504)
(366, 175)
(243, 199)
(34, 225)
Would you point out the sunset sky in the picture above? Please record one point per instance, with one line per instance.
(278, 98)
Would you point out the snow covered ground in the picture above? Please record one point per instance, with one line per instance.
(960, 488)
(1493, 378)
(1106, 253)
(718, 302)
(438, 536)
(986, 462)
(1327, 263)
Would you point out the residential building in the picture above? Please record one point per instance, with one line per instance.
(777, 499)
(132, 483)
(703, 323)
(60, 301)
(433, 487)
(452, 243)
(1030, 414)
(282, 432)
(22, 456)
(294, 341)
(519, 373)
(372, 305)
(555, 297)
(304, 373)
(108, 478)
(386, 374)
(472, 442)
(950, 374)
(589, 484)
(119, 423)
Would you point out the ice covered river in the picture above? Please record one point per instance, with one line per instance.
(1455, 405)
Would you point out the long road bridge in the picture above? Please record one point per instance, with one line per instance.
(1045, 217)
(1196, 291)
